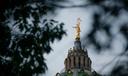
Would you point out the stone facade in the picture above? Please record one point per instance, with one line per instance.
(77, 58)
(77, 62)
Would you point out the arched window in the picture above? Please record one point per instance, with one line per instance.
(69, 63)
(85, 62)
(74, 61)
(79, 63)
(65, 63)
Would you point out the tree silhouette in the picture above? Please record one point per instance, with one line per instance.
(25, 36)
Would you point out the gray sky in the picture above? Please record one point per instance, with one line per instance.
(55, 60)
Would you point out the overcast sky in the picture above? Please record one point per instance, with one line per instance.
(55, 60)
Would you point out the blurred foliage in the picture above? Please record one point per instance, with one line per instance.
(121, 70)
(106, 18)
(25, 36)
(106, 14)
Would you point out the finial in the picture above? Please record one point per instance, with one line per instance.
(77, 27)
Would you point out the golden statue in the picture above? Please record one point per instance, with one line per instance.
(78, 28)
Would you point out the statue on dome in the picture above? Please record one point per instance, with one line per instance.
(78, 28)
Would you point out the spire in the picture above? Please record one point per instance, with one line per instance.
(77, 43)
(77, 27)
